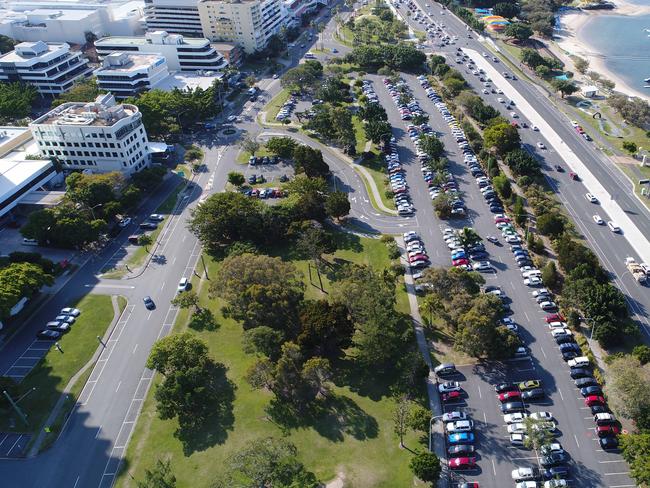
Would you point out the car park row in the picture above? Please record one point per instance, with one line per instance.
(61, 324)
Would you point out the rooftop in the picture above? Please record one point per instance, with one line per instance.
(42, 48)
(143, 40)
(183, 80)
(128, 62)
(103, 112)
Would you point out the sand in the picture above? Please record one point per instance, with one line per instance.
(568, 38)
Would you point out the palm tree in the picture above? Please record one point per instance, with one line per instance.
(468, 237)
(431, 304)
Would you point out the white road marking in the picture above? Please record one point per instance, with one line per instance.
(576, 438)
(542, 349)
(98, 431)
(76, 483)
(118, 386)
(560, 392)
(479, 392)
(494, 468)
(133, 352)
(612, 461)
(149, 316)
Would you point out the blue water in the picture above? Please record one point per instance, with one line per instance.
(561, 77)
(624, 43)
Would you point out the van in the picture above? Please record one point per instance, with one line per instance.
(445, 369)
(29, 242)
(579, 362)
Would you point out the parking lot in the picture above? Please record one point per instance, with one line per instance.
(13, 445)
(27, 360)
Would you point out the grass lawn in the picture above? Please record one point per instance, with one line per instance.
(274, 106)
(244, 156)
(358, 442)
(53, 372)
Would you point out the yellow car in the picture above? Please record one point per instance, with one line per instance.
(529, 385)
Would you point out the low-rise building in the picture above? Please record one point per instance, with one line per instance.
(230, 51)
(181, 53)
(126, 75)
(51, 67)
(99, 136)
(248, 23)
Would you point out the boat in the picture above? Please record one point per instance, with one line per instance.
(647, 80)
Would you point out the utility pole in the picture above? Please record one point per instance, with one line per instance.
(20, 413)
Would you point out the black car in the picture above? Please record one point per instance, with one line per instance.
(503, 387)
(559, 168)
(584, 382)
(556, 472)
(48, 335)
(460, 450)
(591, 390)
(563, 339)
(580, 373)
(149, 225)
(511, 407)
(478, 255)
(608, 443)
(148, 303)
(553, 459)
(534, 394)
(570, 346)
(569, 355)
(599, 409)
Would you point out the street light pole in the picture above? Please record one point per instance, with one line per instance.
(20, 413)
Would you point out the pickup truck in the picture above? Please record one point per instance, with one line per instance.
(635, 268)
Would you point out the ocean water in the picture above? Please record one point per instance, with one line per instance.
(625, 44)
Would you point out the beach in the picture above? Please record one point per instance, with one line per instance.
(571, 37)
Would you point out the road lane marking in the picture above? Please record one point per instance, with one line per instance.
(134, 349)
(576, 438)
(149, 316)
(542, 349)
(98, 431)
(560, 392)
(118, 386)
(163, 285)
(494, 468)
(479, 392)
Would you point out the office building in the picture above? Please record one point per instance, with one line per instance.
(181, 53)
(127, 75)
(174, 16)
(249, 23)
(51, 67)
(100, 136)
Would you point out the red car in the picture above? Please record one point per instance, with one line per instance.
(594, 400)
(451, 396)
(471, 484)
(415, 257)
(462, 463)
(509, 396)
(555, 317)
(607, 430)
(460, 262)
(574, 176)
(502, 220)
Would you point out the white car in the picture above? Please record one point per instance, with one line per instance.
(449, 386)
(554, 447)
(513, 418)
(561, 332)
(482, 266)
(523, 474)
(501, 100)
(514, 115)
(453, 416)
(598, 220)
(613, 227)
(556, 484)
(68, 319)
(541, 145)
(75, 312)
(542, 416)
(548, 305)
(527, 484)
(517, 428)
(183, 284)
(591, 198)
(460, 426)
(574, 123)
(485, 92)
(530, 272)
(157, 217)
(579, 362)
(499, 91)
(124, 222)
(535, 128)
(541, 291)
(518, 439)
(557, 325)
(513, 239)
(533, 281)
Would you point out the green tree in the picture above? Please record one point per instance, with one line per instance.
(522, 163)
(543, 71)
(145, 240)
(235, 178)
(372, 112)
(419, 418)
(186, 299)
(442, 206)
(519, 31)
(18, 280)
(502, 137)
(84, 90)
(536, 435)
(628, 387)
(550, 224)
(263, 340)
(565, 87)
(249, 145)
(532, 58)
(502, 185)
(375, 129)
(260, 290)
(281, 146)
(581, 64)
(16, 100)
(426, 466)
(6, 44)
(337, 204)
(160, 476)
(301, 78)
(454, 86)
(642, 353)
(325, 329)
(636, 451)
(630, 146)
(468, 237)
(507, 10)
(401, 414)
(432, 146)
(550, 276)
(310, 161)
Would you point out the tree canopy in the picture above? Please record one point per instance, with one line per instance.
(16, 100)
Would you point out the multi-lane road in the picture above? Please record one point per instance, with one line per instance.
(95, 437)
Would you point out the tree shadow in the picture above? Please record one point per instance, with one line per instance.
(202, 434)
(332, 417)
(203, 319)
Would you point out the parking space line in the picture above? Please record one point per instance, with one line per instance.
(616, 474)
(494, 468)
(612, 461)
(576, 438)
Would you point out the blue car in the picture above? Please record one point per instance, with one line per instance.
(461, 438)
(458, 255)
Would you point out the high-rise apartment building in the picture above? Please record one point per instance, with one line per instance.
(249, 23)
(175, 16)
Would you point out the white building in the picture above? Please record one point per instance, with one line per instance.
(589, 91)
(69, 21)
(100, 136)
(175, 16)
(249, 23)
(52, 68)
(127, 75)
(182, 54)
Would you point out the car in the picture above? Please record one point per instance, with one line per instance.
(585, 382)
(527, 484)
(67, 319)
(554, 317)
(525, 474)
(148, 225)
(48, 335)
(577, 373)
(533, 281)
(541, 145)
(509, 396)
(411, 236)
(62, 327)
(608, 443)
(452, 396)
(183, 285)
(579, 362)
(516, 428)
(504, 387)
(462, 463)
(598, 220)
(607, 430)
(512, 407)
(449, 386)
(453, 416)
(546, 416)
(604, 419)
(461, 438)
(556, 483)
(156, 217)
(149, 303)
(445, 369)
(553, 459)
(460, 426)
(586, 391)
(469, 484)
(460, 449)
(513, 418)
(124, 222)
(529, 385)
(534, 394)
(482, 266)
(74, 312)
(613, 227)
(594, 400)
(548, 306)
(591, 198)
(518, 439)
(556, 472)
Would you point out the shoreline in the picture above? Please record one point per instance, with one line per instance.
(567, 37)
